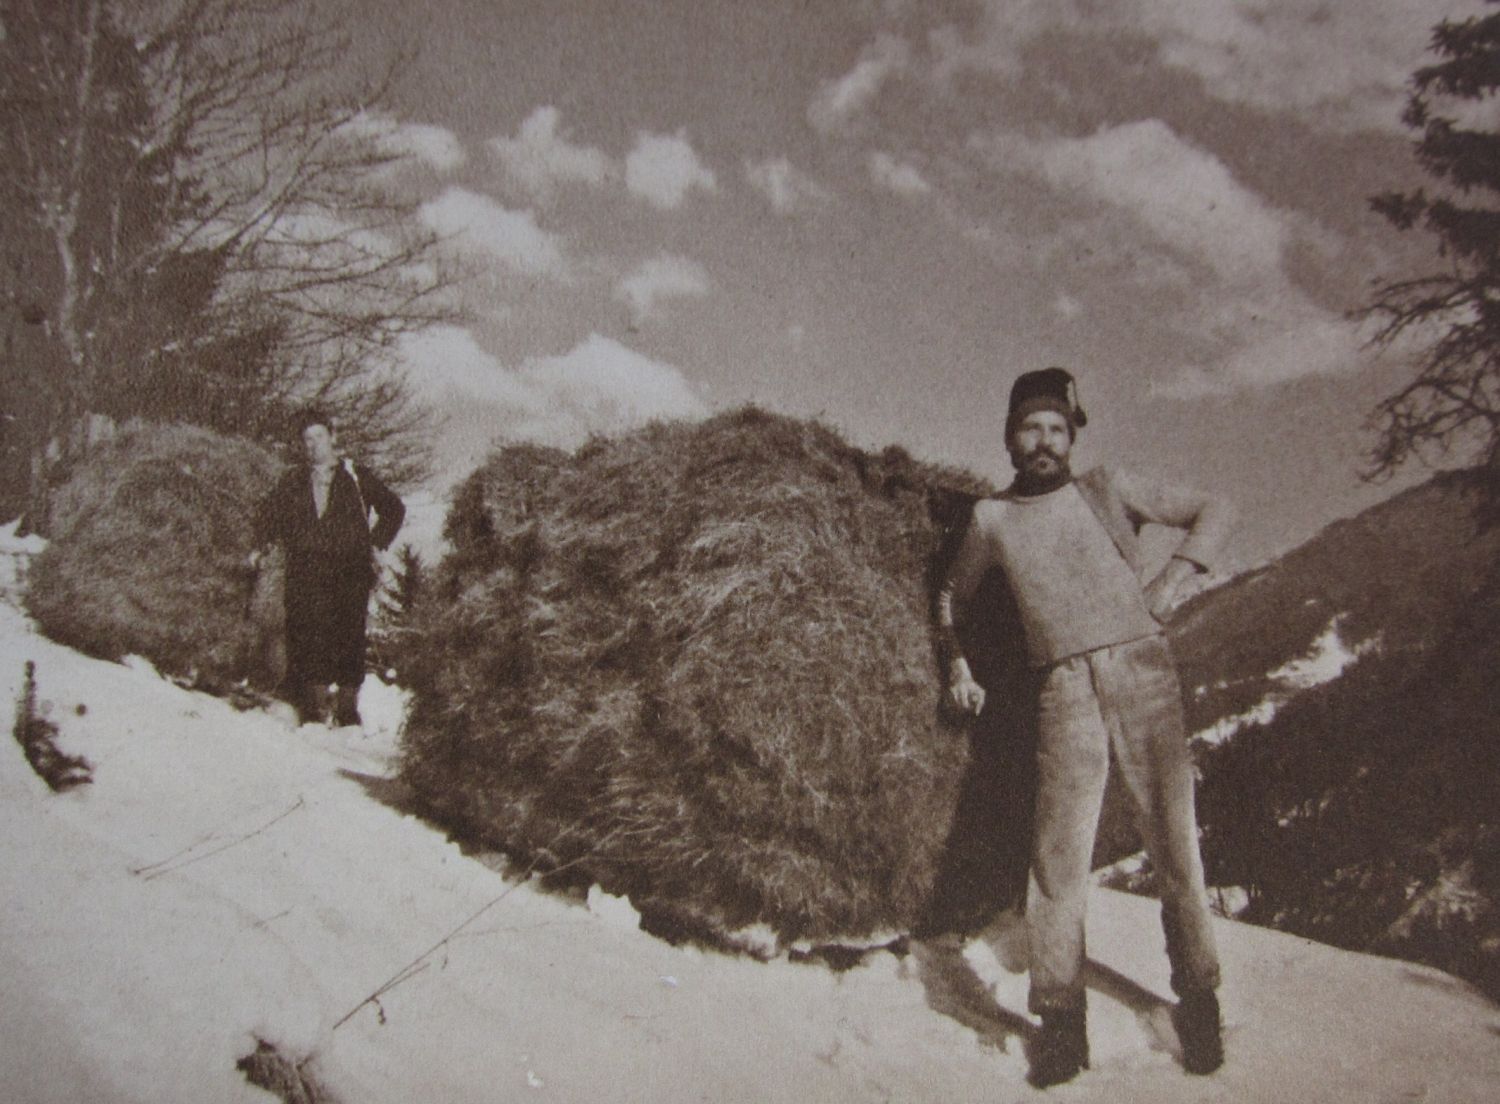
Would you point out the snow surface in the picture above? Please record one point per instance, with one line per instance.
(227, 878)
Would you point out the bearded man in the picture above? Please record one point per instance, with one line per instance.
(1068, 550)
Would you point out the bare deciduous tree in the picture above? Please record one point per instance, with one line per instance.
(206, 221)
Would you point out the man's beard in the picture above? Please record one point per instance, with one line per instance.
(1039, 478)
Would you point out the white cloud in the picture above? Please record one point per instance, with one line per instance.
(898, 176)
(303, 239)
(308, 230)
(664, 276)
(785, 186)
(1006, 27)
(1185, 196)
(447, 366)
(479, 225)
(1209, 252)
(541, 156)
(1351, 59)
(603, 386)
(1297, 342)
(435, 146)
(837, 102)
(1348, 62)
(599, 386)
(663, 168)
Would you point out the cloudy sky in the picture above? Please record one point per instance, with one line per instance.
(880, 211)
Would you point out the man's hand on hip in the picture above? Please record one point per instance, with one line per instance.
(1161, 593)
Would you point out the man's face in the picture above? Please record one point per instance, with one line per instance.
(318, 445)
(1040, 444)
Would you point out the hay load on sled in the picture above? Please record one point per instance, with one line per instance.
(147, 557)
(695, 664)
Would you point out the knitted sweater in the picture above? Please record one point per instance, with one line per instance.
(1071, 558)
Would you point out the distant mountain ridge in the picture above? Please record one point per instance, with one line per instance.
(1400, 571)
(1348, 718)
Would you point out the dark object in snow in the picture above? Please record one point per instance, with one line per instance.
(38, 739)
(149, 556)
(841, 958)
(1059, 1051)
(697, 662)
(267, 1068)
(346, 707)
(1200, 1030)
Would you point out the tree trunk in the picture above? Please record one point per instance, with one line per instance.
(54, 462)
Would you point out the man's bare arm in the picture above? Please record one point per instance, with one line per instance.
(957, 591)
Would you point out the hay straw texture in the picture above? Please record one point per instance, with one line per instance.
(696, 662)
(148, 557)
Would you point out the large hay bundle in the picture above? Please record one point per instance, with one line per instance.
(148, 555)
(696, 663)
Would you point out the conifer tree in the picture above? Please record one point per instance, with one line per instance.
(1451, 403)
(396, 606)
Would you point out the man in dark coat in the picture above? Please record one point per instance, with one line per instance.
(319, 511)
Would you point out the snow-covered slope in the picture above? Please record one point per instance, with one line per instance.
(226, 879)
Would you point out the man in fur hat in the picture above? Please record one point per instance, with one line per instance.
(320, 511)
(1067, 548)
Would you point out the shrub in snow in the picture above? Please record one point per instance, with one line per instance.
(148, 554)
(267, 1068)
(38, 739)
(695, 663)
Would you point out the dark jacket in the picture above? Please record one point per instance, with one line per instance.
(340, 542)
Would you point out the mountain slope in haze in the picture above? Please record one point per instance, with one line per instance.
(1359, 805)
(1397, 575)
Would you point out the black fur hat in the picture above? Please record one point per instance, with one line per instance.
(1045, 389)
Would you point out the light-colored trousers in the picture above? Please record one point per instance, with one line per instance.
(1119, 703)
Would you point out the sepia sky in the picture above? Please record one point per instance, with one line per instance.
(880, 211)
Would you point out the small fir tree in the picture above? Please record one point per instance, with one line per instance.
(395, 607)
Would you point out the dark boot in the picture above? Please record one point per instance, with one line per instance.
(310, 702)
(1060, 1050)
(1200, 1031)
(346, 707)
